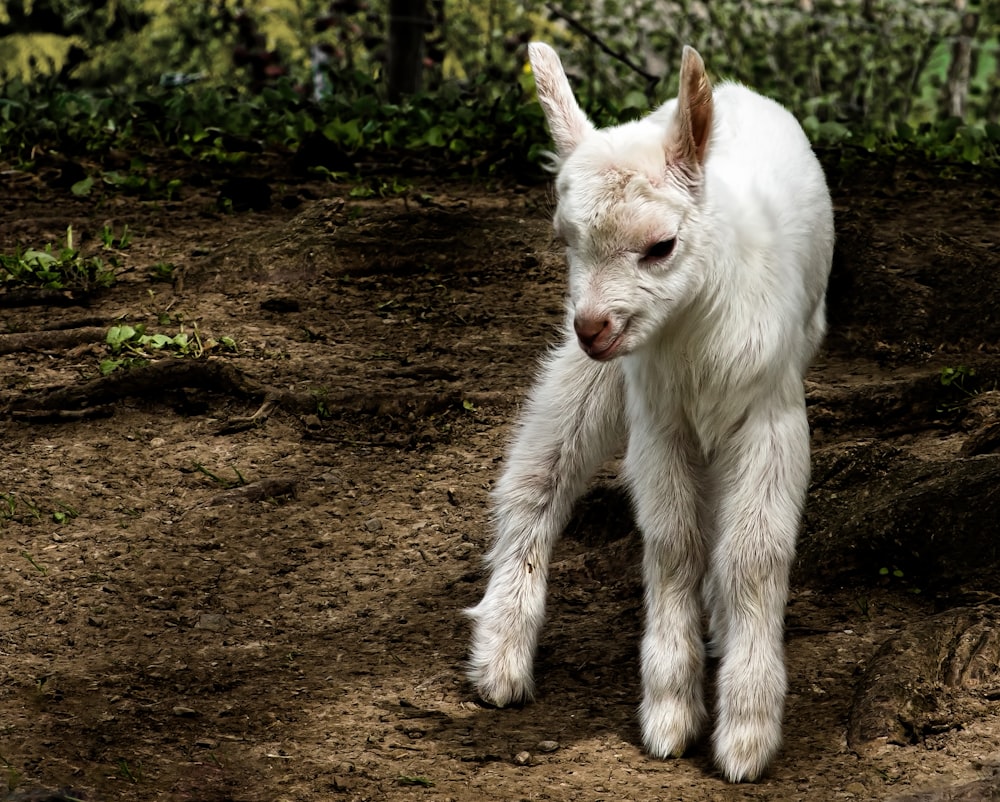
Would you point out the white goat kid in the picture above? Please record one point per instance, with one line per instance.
(699, 242)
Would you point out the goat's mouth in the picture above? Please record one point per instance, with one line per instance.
(604, 349)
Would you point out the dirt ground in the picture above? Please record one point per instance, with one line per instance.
(197, 606)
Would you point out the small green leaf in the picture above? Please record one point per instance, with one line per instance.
(118, 336)
(435, 137)
(635, 100)
(39, 258)
(83, 187)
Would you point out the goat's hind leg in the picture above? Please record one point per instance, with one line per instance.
(573, 421)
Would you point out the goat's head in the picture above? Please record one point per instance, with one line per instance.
(628, 206)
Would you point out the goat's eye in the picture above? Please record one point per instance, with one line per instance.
(660, 250)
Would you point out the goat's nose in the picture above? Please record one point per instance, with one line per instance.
(588, 329)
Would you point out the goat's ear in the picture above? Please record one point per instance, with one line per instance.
(692, 128)
(567, 122)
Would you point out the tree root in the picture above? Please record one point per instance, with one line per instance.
(97, 397)
(93, 398)
(31, 296)
(54, 340)
(261, 490)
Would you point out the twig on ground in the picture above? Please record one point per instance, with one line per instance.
(578, 26)
(259, 418)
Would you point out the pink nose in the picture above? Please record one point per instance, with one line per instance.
(589, 329)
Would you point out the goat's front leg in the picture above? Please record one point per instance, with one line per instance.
(664, 472)
(573, 421)
(763, 476)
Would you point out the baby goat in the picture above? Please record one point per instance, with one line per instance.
(699, 243)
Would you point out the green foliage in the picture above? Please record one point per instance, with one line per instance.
(24, 509)
(863, 77)
(897, 577)
(55, 269)
(475, 126)
(35, 564)
(13, 775)
(227, 484)
(960, 383)
(132, 773)
(959, 377)
(131, 346)
(162, 271)
(108, 238)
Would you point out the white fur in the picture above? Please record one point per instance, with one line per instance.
(698, 365)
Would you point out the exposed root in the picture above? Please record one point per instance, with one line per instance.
(94, 398)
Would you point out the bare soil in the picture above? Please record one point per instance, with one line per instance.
(199, 604)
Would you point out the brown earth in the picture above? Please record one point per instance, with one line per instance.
(197, 605)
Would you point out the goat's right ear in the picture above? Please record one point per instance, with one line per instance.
(567, 122)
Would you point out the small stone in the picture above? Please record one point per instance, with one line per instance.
(522, 758)
(180, 710)
(858, 789)
(213, 622)
(547, 746)
(341, 785)
(373, 524)
(206, 743)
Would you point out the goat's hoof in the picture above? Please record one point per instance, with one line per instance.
(743, 751)
(669, 728)
(503, 694)
(499, 688)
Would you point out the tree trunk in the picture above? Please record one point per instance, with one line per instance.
(407, 27)
(960, 69)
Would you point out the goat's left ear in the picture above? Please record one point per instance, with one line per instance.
(692, 128)
(567, 122)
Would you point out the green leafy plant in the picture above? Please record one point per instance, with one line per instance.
(23, 509)
(18, 508)
(897, 575)
(131, 346)
(50, 268)
(864, 77)
(228, 484)
(8, 505)
(960, 378)
(961, 383)
(64, 513)
(121, 243)
(162, 271)
(322, 397)
(13, 775)
(131, 773)
(34, 563)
